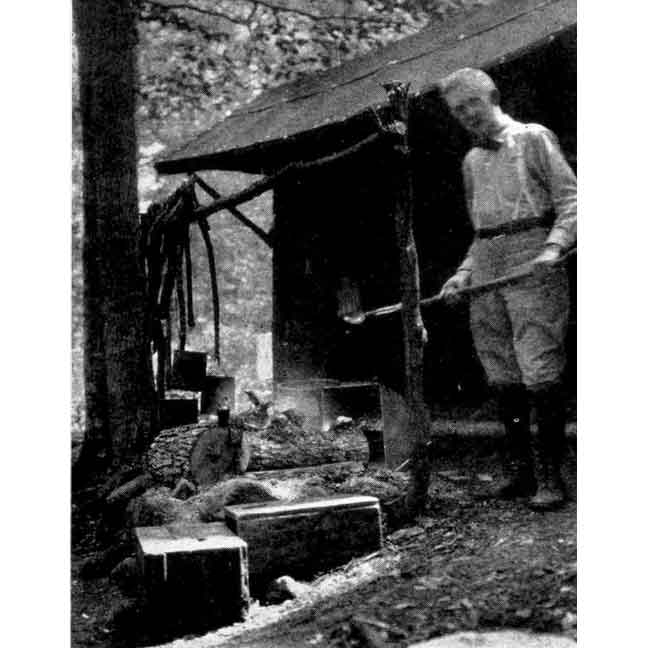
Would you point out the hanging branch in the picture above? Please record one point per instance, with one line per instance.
(160, 381)
(172, 254)
(170, 251)
(146, 223)
(240, 216)
(167, 354)
(151, 247)
(189, 272)
(182, 311)
(164, 240)
(180, 293)
(158, 244)
(204, 230)
(167, 245)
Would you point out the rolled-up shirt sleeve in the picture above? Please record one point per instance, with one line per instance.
(549, 167)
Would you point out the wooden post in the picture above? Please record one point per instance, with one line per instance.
(414, 333)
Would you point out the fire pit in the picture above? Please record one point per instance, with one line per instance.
(381, 411)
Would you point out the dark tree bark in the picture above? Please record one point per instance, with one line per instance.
(119, 386)
(205, 453)
(414, 332)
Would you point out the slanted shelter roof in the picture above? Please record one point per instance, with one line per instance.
(283, 122)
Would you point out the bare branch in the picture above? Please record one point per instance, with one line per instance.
(264, 236)
(190, 7)
(251, 15)
(319, 16)
(275, 8)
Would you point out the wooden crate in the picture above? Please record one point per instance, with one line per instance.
(178, 411)
(189, 370)
(303, 538)
(194, 576)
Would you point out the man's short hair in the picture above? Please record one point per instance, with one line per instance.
(471, 78)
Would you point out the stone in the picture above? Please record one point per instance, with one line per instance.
(194, 576)
(100, 563)
(404, 535)
(307, 537)
(130, 489)
(368, 485)
(126, 576)
(184, 490)
(499, 639)
(124, 615)
(307, 492)
(283, 589)
(92, 566)
(241, 490)
(156, 507)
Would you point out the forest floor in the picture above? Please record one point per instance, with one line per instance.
(467, 564)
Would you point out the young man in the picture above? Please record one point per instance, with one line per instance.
(521, 197)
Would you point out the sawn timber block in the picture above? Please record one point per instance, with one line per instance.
(194, 576)
(302, 538)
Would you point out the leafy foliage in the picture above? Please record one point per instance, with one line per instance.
(206, 57)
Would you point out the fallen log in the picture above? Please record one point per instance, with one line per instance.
(205, 453)
(284, 444)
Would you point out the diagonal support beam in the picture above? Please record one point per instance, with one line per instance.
(267, 183)
(240, 216)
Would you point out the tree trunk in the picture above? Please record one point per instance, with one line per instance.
(118, 374)
(206, 453)
(310, 449)
(413, 329)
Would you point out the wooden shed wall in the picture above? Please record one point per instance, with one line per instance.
(338, 222)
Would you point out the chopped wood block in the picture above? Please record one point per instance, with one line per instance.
(189, 370)
(302, 538)
(194, 576)
(217, 391)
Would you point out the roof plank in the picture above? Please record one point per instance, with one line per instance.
(482, 39)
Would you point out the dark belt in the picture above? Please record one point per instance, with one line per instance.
(513, 227)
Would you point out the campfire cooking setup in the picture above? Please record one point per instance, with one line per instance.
(327, 149)
(364, 164)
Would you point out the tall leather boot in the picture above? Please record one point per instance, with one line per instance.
(517, 460)
(549, 448)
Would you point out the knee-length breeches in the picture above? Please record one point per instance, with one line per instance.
(519, 331)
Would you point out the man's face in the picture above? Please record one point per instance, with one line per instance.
(474, 110)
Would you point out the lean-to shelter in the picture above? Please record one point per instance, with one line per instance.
(333, 235)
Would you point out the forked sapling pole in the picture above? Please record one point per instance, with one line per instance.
(414, 333)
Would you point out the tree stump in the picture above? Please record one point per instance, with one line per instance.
(203, 453)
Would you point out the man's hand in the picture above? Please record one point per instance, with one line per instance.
(546, 259)
(451, 288)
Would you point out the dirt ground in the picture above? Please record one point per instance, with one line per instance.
(468, 564)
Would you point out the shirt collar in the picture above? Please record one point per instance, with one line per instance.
(504, 133)
(502, 137)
